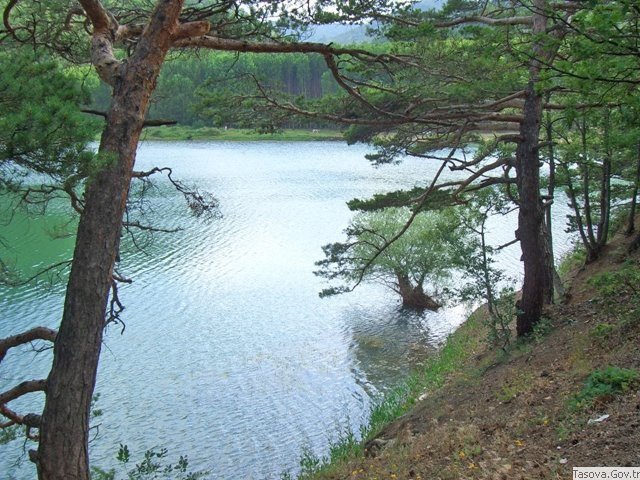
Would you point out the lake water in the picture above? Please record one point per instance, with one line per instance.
(229, 355)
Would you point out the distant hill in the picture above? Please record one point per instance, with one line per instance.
(339, 33)
(346, 34)
(429, 4)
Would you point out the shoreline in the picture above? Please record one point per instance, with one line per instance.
(185, 133)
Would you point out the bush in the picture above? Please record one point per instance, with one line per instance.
(602, 332)
(602, 385)
(626, 280)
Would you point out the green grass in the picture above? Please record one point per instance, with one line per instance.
(572, 261)
(625, 280)
(181, 132)
(451, 358)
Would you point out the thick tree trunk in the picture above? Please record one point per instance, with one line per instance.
(530, 217)
(414, 296)
(63, 447)
(64, 431)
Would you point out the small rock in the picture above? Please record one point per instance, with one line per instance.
(563, 461)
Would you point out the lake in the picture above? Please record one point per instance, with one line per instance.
(229, 356)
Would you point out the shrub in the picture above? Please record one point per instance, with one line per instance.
(626, 280)
(603, 384)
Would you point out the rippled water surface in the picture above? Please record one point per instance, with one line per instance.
(228, 355)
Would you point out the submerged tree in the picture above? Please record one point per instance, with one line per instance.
(129, 42)
(417, 266)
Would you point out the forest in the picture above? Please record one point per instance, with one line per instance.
(522, 99)
(186, 81)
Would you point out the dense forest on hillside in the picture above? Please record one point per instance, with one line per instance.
(202, 90)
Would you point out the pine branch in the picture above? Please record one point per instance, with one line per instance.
(24, 388)
(37, 333)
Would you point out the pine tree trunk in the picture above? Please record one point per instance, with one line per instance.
(530, 217)
(63, 446)
(64, 430)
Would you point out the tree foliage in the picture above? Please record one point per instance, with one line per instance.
(418, 265)
(214, 88)
(42, 130)
(44, 138)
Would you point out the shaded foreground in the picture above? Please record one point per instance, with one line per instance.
(569, 396)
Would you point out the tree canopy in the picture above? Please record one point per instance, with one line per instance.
(42, 130)
(417, 266)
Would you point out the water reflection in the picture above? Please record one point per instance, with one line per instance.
(389, 342)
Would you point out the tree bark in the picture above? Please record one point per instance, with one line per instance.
(414, 296)
(530, 216)
(63, 447)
